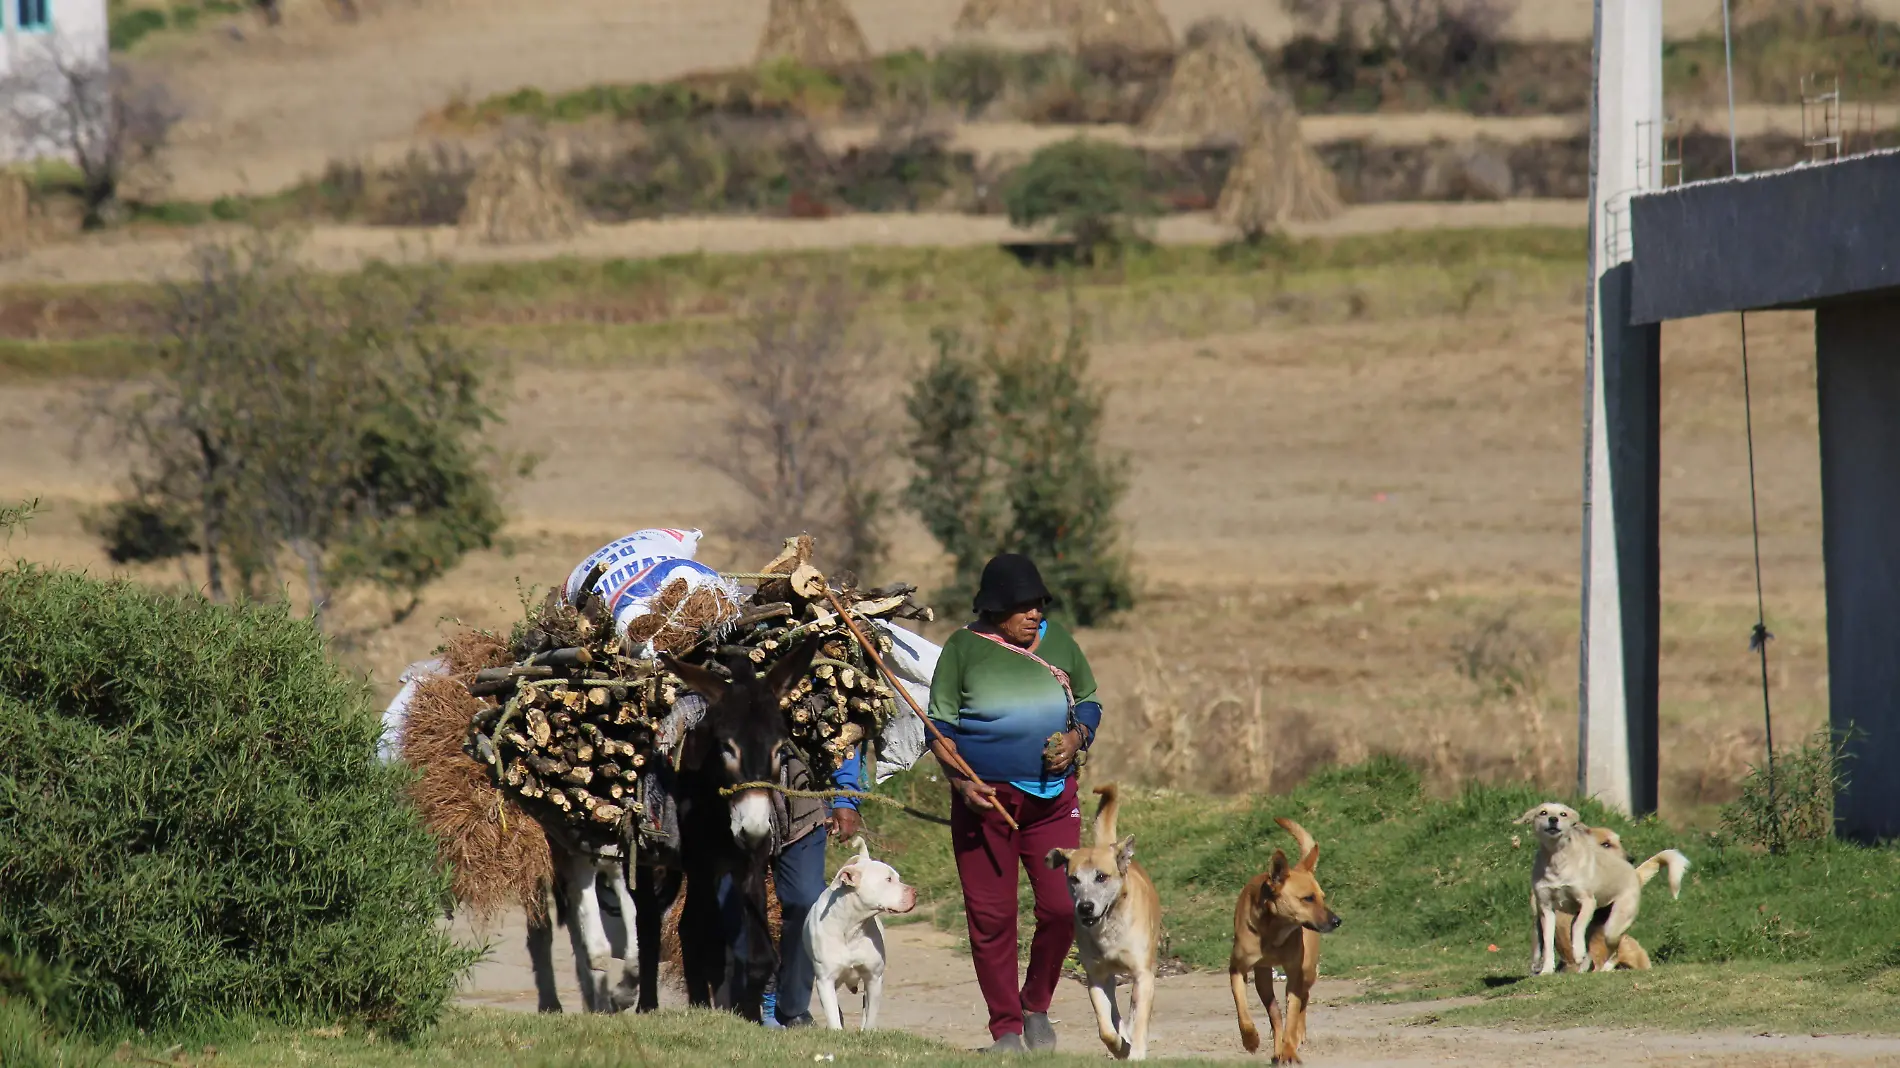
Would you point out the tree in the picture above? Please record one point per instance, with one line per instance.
(1093, 191)
(1006, 442)
(805, 439)
(335, 422)
(76, 106)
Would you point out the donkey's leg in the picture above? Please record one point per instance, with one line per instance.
(654, 891)
(541, 956)
(592, 953)
(627, 992)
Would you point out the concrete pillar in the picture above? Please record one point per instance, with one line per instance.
(1617, 647)
(1857, 357)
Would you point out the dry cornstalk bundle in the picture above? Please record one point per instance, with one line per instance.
(498, 856)
(1277, 179)
(16, 213)
(816, 33)
(572, 728)
(1128, 25)
(519, 194)
(1218, 89)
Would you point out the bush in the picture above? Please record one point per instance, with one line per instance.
(193, 818)
(1797, 807)
(1006, 440)
(1092, 191)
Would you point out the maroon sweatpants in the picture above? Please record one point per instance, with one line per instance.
(988, 853)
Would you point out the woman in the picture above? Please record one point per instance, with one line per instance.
(1014, 696)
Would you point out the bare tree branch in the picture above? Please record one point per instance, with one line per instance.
(72, 104)
(805, 439)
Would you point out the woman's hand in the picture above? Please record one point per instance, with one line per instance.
(845, 823)
(1059, 754)
(978, 795)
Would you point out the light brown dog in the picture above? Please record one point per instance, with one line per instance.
(1629, 952)
(1117, 927)
(1278, 921)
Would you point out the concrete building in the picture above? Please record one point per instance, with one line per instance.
(34, 35)
(1823, 236)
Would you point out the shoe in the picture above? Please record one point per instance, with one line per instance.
(1038, 1032)
(1010, 1043)
(802, 1020)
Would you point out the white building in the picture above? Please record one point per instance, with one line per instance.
(36, 38)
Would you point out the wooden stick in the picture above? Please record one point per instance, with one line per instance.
(870, 649)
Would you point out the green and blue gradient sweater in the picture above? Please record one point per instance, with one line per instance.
(1000, 707)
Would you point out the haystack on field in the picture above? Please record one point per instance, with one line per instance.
(1218, 88)
(519, 195)
(1277, 179)
(16, 213)
(1131, 25)
(816, 33)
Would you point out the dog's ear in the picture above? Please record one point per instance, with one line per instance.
(848, 875)
(1529, 815)
(864, 850)
(1058, 858)
(1277, 871)
(1124, 853)
(1310, 860)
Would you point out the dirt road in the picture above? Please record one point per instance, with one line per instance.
(931, 991)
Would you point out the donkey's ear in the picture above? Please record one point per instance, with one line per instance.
(698, 679)
(793, 666)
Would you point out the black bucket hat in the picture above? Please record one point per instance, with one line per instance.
(1010, 579)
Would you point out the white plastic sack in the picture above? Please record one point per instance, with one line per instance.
(914, 661)
(389, 746)
(638, 551)
(631, 599)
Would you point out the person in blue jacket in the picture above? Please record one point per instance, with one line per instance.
(798, 876)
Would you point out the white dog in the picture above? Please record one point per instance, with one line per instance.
(845, 935)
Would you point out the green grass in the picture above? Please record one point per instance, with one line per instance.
(487, 1038)
(127, 24)
(1427, 885)
(575, 312)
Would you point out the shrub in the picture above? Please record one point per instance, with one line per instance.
(1006, 440)
(1092, 191)
(1797, 806)
(193, 818)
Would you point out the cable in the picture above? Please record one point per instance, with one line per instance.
(1759, 638)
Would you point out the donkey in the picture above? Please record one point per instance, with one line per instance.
(743, 738)
(580, 874)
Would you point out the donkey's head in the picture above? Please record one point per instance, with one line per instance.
(743, 737)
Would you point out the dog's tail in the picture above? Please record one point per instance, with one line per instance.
(1111, 795)
(1300, 837)
(1668, 858)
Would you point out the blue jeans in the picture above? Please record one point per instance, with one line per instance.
(798, 874)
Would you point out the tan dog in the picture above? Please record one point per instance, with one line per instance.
(1629, 952)
(1117, 927)
(1278, 921)
(1574, 874)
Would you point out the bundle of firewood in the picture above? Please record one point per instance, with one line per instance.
(573, 728)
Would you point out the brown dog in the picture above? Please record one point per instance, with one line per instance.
(1629, 952)
(1278, 921)
(1117, 928)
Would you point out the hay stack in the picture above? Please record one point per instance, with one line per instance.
(16, 213)
(816, 33)
(1277, 179)
(1218, 89)
(1129, 25)
(495, 867)
(520, 195)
